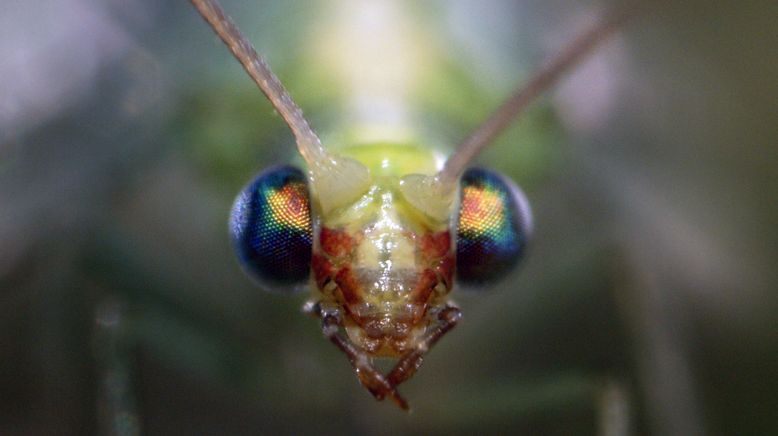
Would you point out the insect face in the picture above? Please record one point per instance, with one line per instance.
(373, 230)
(381, 263)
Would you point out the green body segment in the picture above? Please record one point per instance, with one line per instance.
(394, 159)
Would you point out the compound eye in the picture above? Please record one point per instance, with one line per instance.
(271, 229)
(494, 225)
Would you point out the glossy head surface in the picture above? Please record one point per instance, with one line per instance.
(271, 229)
(380, 259)
(494, 226)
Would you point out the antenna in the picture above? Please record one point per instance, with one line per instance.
(546, 77)
(308, 142)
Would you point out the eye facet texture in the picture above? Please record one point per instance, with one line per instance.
(271, 229)
(494, 225)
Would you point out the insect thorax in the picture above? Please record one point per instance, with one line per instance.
(381, 262)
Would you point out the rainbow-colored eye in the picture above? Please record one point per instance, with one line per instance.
(494, 225)
(271, 228)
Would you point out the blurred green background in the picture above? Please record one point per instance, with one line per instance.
(646, 306)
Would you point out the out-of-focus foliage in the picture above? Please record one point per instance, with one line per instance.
(647, 300)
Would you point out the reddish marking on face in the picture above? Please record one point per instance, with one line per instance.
(424, 286)
(336, 243)
(348, 285)
(435, 245)
(445, 270)
(322, 269)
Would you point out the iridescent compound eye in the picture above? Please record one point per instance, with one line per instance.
(494, 224)
(271, 228)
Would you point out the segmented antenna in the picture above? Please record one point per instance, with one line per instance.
(542, 80)
(308, 142)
